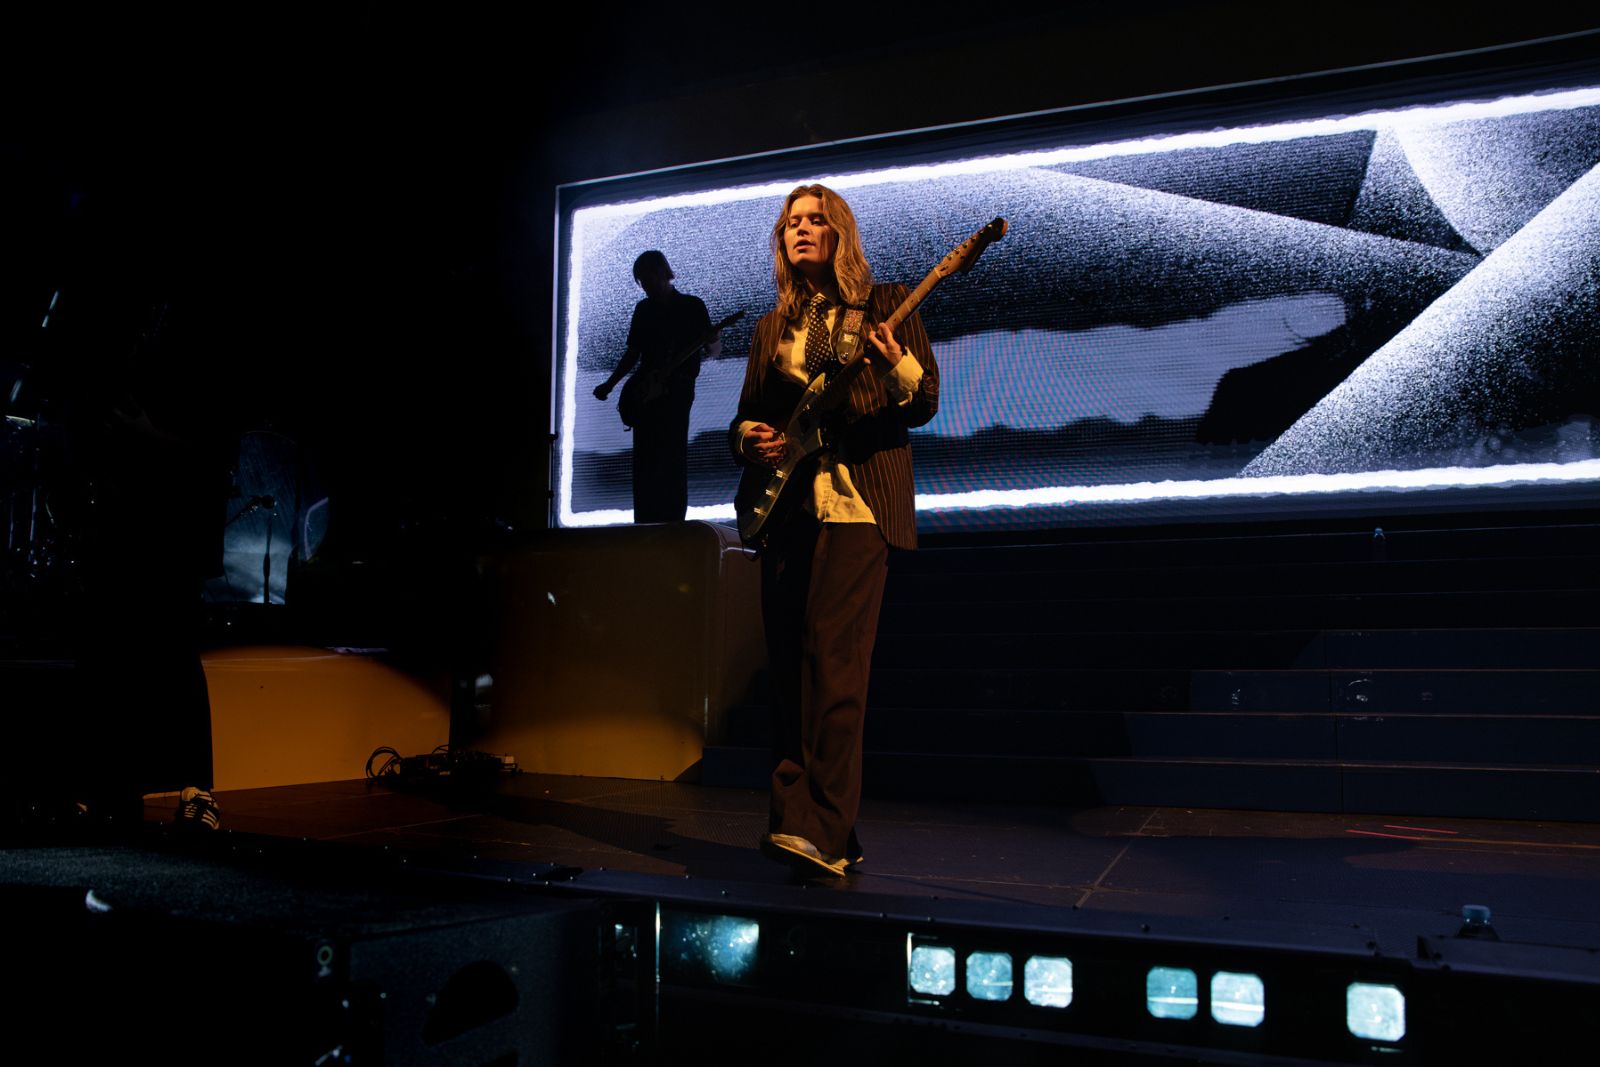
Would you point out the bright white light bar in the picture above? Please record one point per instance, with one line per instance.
(1434, 478)
(616, 516)
(1278, 485)
(1393, 119)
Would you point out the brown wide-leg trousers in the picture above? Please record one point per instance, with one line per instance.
(821, 588)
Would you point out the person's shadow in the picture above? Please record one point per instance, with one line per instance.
(640, 836)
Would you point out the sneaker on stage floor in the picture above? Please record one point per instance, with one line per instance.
(197, 810)
(801, 854)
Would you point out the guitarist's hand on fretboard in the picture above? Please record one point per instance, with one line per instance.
(885, 351)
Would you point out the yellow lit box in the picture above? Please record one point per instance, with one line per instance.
(288, 715)
(620, 649)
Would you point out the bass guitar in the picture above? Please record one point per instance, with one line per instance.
(805, 435)
(646, 387)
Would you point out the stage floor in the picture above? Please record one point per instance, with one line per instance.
(1389, 878)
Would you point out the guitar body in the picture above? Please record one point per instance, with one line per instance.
(764, 511)
(646, 387)
(761, 503)
(638, 392)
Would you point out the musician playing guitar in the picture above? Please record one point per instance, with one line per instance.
(825, 559)
(665, 340)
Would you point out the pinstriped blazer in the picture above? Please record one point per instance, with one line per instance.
(872, 439)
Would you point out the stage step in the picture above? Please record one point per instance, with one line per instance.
(1449, 672)
(1478, 739)
(1352, 578)
(1566, 793)
(1435, 648)
(1510, 539)
(1141, 610)
(979, 688)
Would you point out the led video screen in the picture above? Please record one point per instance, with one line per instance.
(1397, 304)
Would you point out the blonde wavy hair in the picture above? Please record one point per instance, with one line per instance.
(850, 270)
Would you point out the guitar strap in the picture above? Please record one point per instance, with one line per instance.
(849, 335)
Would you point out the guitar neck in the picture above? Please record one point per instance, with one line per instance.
(959, 259)
(907, 307)
(703, 340)
(913, 300)
(681, 357)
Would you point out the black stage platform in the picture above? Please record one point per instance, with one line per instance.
(1392, 878)
(580, 920)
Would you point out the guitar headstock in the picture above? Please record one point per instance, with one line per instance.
(730, 320)
(964, 255)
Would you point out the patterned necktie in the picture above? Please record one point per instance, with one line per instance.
(819, 343)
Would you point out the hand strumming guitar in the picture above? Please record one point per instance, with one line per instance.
(763, 444)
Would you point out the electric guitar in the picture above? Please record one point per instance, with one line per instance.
(643, 388)
(806, 433)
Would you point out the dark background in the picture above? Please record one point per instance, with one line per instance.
(348, 209)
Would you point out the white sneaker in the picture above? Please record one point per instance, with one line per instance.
(801, 854)
(197, 810)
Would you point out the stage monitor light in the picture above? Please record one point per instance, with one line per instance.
(720, 947)
(1238, 999)
(1375, 1012)
(1172, 993)
(626, 940)
(932, 970)
(989, 975)
(1047, 981)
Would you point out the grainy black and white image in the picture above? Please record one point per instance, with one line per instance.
(1392, 301)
